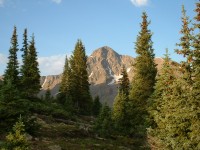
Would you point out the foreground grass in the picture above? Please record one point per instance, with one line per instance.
(77, 135)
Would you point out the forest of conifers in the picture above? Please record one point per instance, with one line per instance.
(160, 109)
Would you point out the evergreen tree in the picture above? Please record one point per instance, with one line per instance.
(195, 119)
(124, 82)
(10, 104)
(158, 102)
(48, 95)
(32, 76)
(177, 115)
(96, 106)
(196, 43)
(24, 70)
(65, 81)
(121, 115)
(103, 125)
(121, 107)
(144, 78)
(65, 91)
(80, 92)
(11, 73)
(185, 46)
(16, 139)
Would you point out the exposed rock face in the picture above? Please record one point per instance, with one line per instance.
(52, 82)
(1, 79)
(104, 71)
(104, 66)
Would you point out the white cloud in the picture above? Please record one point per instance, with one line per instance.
(52, 65)
(139, 3)
(2, 3)
(57, 1)
(3, 59)
(3, 62)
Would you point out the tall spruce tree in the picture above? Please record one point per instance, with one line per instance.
(65, 92)
(24, 70)
(185, 46)
(124, 83)
(65, 81)
(79, 80)
(11, 106)
(158, 102)
(180, 115)
(31, 77)
(121, 106)
(11, 73)
(196, 43)
(10, 87)
(144, 78)
(195, 119)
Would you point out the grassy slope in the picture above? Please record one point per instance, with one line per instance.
(77, 135)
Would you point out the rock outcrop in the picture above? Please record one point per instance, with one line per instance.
(104, 71)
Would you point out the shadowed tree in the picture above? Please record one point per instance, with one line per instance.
(32, 77)
(80, 92)
(121, 106)
(11, 73)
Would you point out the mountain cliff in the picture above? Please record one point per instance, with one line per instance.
(104, 71)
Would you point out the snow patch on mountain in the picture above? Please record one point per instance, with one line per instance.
(128, 70)
(44, 81)
(115, 77)
(91, 74)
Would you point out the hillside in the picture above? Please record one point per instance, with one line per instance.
(59, 134)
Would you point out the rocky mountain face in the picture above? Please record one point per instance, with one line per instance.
(104, 71)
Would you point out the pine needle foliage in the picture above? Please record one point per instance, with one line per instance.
(103, 125)
(33, 73)
(121, 106)
(96, 107)
(124, 83)
(16, 140)
(175, 110)
(80, 92)
(159, 101)
(11, 73)
(65, 81)
(144, 78)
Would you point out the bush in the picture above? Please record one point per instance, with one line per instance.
(16, 140)
(104, 125)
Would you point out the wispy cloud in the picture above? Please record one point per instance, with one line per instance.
(51, 65)
(2, 3)
(3, 59)
(139, 3)
(3, 62)
(57, 1)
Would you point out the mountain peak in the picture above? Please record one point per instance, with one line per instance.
(104, 52)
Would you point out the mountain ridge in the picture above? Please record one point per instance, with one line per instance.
(104, 70)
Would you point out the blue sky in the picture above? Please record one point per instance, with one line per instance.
(57, 24)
